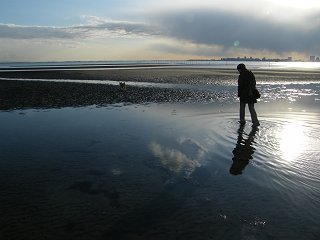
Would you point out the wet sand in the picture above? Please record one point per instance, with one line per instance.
(33, 94)
(16, 91)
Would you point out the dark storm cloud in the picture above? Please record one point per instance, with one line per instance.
(253, 32)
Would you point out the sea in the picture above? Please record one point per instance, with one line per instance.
(167, 63)
(174, 170)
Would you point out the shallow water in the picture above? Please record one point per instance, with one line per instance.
(163, 171)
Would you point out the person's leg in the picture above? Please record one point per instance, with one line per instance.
(242, 112)
(253, 114)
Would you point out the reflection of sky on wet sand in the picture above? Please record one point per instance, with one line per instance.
(126, 163)
(180, 161)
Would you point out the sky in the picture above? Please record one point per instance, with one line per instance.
(86, 30)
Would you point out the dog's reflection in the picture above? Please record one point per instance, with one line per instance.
(243, 151)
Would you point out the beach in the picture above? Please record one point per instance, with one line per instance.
(63, 88)
(163, 159)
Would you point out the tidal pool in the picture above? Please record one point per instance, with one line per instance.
(161, 171)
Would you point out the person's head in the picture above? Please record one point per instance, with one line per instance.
(241, 67)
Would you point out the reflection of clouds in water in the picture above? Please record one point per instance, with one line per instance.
(116, 171)
(184, 160)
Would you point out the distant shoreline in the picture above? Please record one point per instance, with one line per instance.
(158, 74)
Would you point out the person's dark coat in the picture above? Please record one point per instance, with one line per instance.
(246, 85)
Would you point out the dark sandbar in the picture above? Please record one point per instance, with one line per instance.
(18, 92)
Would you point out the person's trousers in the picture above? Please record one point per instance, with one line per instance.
(253, 113)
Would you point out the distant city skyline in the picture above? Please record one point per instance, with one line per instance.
(289, 59)
(83, 30)
(245, 58)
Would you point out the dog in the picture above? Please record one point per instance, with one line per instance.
(122, 86)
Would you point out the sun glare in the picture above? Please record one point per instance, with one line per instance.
(300, 4)
(292, 141)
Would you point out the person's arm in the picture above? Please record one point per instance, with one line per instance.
(253, 81)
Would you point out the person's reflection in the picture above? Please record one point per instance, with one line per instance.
(243, 151)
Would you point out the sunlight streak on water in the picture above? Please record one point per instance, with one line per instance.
(295, 65)
(289, 151)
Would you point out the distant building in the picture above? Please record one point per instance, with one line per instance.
(245, 58)
(312, 58)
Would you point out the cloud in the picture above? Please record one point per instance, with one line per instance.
(12, 31)
(96, 28)
(286, 7)
(188, 49)
(198, 31)
(101, 26)
(224, 28)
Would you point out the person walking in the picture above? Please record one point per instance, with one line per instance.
(246, 86)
